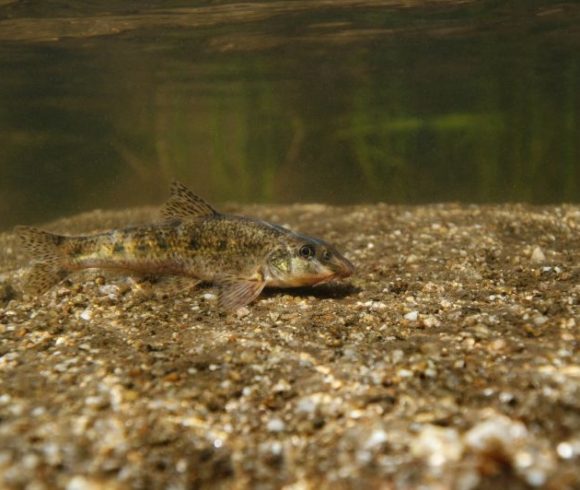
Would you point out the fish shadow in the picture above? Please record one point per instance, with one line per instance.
(324, 291)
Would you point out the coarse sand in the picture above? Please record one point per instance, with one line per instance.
(449, 360)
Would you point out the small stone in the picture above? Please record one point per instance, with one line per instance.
(397, 356)
(276, 425)
(411, 259)
(377, 438)
(412, 316)
(87, 314)
(376, 305)
(565, 450)
(430, 321)
(306, 405)
(281, 386)
(538, 255)
(82, 483)
(506, 397)
(405, 373)
(497, 345)
(540, 320)
(242, 312)
(437, 445)
(497, 431)
(445, 304)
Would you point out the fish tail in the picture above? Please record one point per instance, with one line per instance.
(49, 266)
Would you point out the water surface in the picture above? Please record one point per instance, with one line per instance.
(102, 104)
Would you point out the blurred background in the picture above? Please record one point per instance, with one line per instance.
(103, 103)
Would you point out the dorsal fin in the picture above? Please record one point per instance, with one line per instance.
(184, 204)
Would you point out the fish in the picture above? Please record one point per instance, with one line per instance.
(240, 255)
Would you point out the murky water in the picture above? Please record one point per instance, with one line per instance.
(103, 103)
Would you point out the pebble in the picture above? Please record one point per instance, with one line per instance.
(431, 321)
(412, 316)
(437, 445)
(497, 430)
(538, 255)
(377, 438)
(242, 312)
(539, 320)
(375, 305)
(276, 425)
(87, 314)
(566, 450)
(306, 405)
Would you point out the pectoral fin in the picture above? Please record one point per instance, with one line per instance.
(235, 292)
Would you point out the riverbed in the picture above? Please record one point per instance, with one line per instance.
(449, 360)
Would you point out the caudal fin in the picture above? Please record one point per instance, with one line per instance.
(48, 267)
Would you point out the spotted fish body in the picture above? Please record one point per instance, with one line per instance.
(239, 254)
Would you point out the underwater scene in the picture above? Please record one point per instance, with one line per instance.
(102, 104)
(289, 244)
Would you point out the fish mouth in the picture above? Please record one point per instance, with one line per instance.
(346, 270)
(326, 279)
(340, 270)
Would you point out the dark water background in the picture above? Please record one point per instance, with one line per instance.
(103, 103)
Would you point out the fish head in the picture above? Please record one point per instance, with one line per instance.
(306, 261)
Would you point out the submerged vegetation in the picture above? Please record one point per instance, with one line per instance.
(431, 102)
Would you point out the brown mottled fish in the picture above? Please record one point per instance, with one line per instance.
(240, 255)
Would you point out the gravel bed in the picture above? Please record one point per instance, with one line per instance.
(450, 360)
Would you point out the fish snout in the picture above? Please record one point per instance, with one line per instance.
(345, 268)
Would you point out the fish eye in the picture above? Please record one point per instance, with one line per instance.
(326, 255)
(306, 251)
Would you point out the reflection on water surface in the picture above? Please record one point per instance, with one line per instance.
(103, 103)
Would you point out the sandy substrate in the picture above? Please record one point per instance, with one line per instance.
(449, 361)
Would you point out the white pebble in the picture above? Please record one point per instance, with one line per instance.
(306, 405)
(565, 450)
(375, 305)
(431, 321)
(276, 425)
(87, 314)
(412, 316)
(242, 312)
(405, 373)
(397, 356)
(540, 320)
(109, 290)
(536, 477)
(377, 437)
(437, 445)
(38, 411)
(81, 483)
(506, 397)
(538, 255)
(498, 431)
